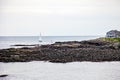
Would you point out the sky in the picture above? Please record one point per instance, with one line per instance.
(58, 17)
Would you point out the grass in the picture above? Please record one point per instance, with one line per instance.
(112, 39)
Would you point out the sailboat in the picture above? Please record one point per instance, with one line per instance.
(40, 38)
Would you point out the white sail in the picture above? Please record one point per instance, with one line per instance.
(40, 38)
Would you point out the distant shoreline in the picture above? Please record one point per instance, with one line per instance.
(96, 50)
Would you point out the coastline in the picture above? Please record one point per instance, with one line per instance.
(96, 50)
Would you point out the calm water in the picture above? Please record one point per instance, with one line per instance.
(38, 70)
(6, 42)
(58, 71)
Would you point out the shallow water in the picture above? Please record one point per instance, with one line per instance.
(38, 70)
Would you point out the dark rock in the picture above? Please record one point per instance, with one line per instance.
(62, 52)
(22, 45)
(4, 75)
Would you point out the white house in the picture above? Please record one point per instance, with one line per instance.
(113, 34)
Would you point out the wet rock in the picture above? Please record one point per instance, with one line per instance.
(4, 75)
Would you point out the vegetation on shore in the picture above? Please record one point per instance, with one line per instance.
(112, 39)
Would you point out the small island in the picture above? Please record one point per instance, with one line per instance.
(96, 50)
(91, 50)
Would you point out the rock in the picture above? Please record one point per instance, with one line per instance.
(116, 45)
(16, 57)
(63, 52)
(4, 75)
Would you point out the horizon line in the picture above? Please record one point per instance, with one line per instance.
(45, 35)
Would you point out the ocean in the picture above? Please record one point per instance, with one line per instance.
(40, 70)
(8, 41)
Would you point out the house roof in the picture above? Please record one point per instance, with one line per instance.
(114, 31)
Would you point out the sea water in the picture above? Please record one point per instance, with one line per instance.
(38, 70)
(8, 41)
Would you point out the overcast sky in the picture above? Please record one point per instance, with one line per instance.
(58, 17)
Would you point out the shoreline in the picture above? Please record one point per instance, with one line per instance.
(95, 50)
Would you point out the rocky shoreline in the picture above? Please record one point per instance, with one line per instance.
(96, 50)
